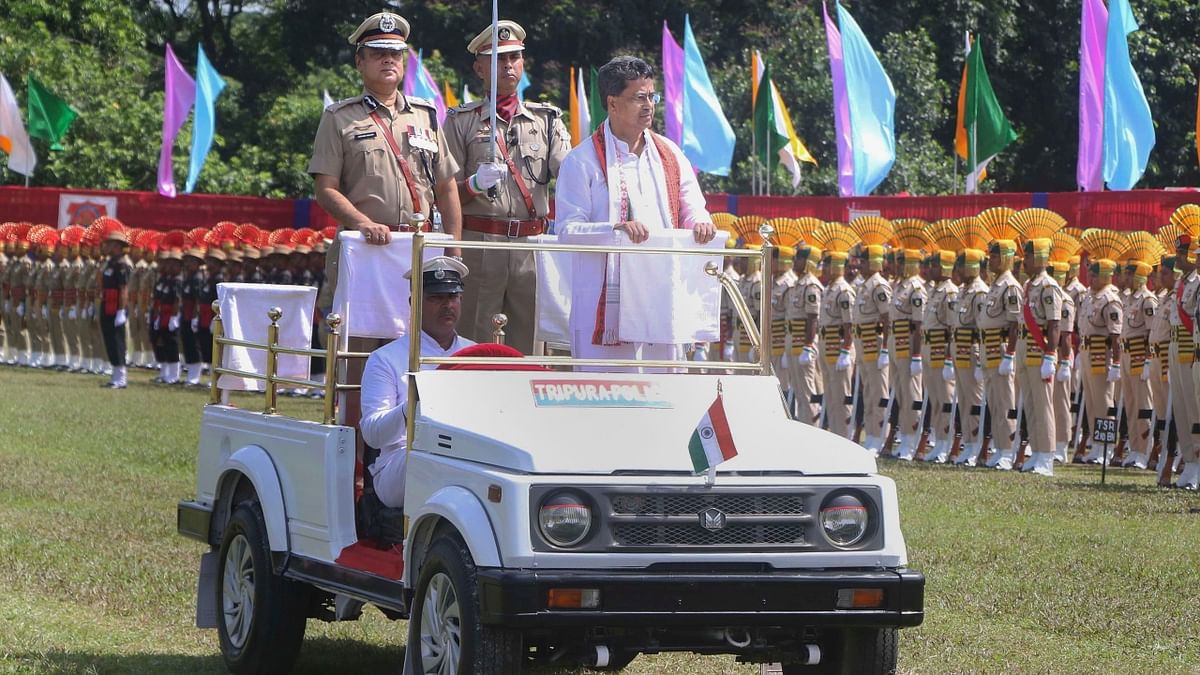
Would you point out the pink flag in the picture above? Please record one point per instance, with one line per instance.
(1094, 28)
(177, 102)
(672, 60)
(841, 107)
(418, 82)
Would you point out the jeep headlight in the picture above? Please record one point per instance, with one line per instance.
(845, 519)
(565, 518)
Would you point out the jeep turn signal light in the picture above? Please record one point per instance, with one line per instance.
(860, 598)
(573, 598)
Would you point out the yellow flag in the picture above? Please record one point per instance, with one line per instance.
(448, 94)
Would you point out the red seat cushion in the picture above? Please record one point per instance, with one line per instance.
(492, 350)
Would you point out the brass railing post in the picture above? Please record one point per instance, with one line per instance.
(274, 315)
(218, 332)
(764, 305)
(499, 321)
(334, 322)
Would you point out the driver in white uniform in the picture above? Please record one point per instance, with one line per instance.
(385, 379)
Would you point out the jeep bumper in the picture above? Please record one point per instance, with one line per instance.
(192, 519)
(642, 598)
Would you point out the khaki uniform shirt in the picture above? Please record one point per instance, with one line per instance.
(873, 300)
(1139, 310)
(43, 273)
(57, 284)
(22, 279)
(909, 300)
(537, 142)
(940, 309)
(804, 299)
(1160, 323)
(837, 302)
(1190, 298)
(1044, 298)
(351, 147)
(1001, 303)
(1101, 313)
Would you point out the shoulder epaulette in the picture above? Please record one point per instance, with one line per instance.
(423, 102)
(542, 105)
(337, 105)
(466, 107)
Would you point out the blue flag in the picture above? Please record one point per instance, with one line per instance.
(707, 136)
(872, 107)
(208, 87)
(1128, 126)
(522, 86)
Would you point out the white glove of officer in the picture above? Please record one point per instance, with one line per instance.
(979, 373)
(915, 366)
(120, 319)
(46, 312)
(21, 310)
(843, 361)
(1047, 371)
(884, 360)
(1146, 371)
(173, 323)
(488, 175)
(1078, 360)
(147, 318)
(1064, 370)
(72, 314)
(1006, 364)
(948, 371)
(1114, 372)
(806, 355)
(91, 312)
(195, 324)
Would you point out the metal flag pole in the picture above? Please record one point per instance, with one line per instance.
(492, 88)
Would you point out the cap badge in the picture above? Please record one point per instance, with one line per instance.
(387, 24)
(439, 274)
(505, 34)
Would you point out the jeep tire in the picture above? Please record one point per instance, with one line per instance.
(445, 623)
(262, 615)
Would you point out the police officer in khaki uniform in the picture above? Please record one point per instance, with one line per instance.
(1137, 364)
(378, 158)
(1061, 387)
(21, 297)
(837, 343)
(507, 197)
(870, 316)
(71, 240)
(939, 378)
(1183, 361)
(750, 285)
(968, 359)
(1037, 355)
(803, 310)
(907, 315)
(1100, 324)
(1160, 344)
(38, 318)
(783, 279)
(57, 301)
(997, 323)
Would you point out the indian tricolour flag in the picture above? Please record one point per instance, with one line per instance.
(711, 442)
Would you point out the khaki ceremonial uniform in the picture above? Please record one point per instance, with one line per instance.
(38, 316)
(72, 270)
(1186, 408)
(93, 339)
(1001, 310)
(778, 338)
(145, 292)
(1100, 322)
(968, 305)
(1043, 299)
(938, 323)
(870, 310)
(837, 302)
(751, 288)
(57, 299)
(139, 331)
(804, 306)
(907, 311)
(1140, 310)
(1160, 345)
(1061, 389)
(505, 281)
(351, 146)
(22, 304)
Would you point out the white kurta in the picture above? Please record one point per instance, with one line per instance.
(384, 401)
(583, 213)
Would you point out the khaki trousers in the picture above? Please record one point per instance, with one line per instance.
(1001, 402)
(58, 336)
(906, 387)
(1183, 403)
(1138, 403)
(940, 392)
(874, 395)
(807, 387)
(499, 282)
(1061, 395)
(1039, 415)
(38, 328)
(970, 403)
(1097, 393)
(838, 399)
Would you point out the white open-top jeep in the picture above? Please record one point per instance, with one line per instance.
(553, 516)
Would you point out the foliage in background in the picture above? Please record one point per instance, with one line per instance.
(278, 55)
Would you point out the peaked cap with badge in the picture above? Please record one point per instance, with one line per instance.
(384, 30)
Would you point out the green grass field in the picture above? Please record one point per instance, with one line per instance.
(1025, 574)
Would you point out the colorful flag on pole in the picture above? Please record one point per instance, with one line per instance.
(707, 137)
(326, 99)
(418, 82)
(983, 130)
(209, 86)
(872, 107)
(521, 87)
(786, 146)
(180, 95)
(14, 139)
(841, 106)
(1089, 174)
(1128, 124)
(597, 111)
(467, 97)
(672, 59)
(448, 93)
(712, 442)
(581, 124)
(49, 115)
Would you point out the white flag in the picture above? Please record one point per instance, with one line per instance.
(14, 140)
(328, 100)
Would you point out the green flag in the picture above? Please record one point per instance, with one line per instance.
(767, 137)
(595, 106)
(49, 115)
(987, 129)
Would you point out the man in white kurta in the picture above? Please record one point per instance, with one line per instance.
(615, 188)
(385, 378)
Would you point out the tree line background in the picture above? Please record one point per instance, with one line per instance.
(277, 56)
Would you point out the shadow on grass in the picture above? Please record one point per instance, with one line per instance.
(318, 655)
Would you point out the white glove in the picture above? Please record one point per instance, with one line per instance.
(147, 318)
(699, 354)
(978, 374)
(21, 310)
(915, 366)
(1047, 367)
(195, 324)
(1064, 370)
(1006, 364)
(120, 319)
(947, 372)
(488, 175)
(173, 323)
(843, 361)
(1146, 371)
(884, 360)
(1114, 372)
(806, 355)
(1078, 360)
(72, 314)
(727, 353)
(46, 312)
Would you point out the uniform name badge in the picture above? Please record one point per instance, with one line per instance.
(422, 139)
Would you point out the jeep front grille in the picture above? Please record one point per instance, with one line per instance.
(637, 535)
(691, 504)
(659, 519)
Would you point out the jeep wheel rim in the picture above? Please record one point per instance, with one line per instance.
(237, 596)
(441, 627)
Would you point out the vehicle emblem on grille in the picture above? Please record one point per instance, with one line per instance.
(712, 519)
